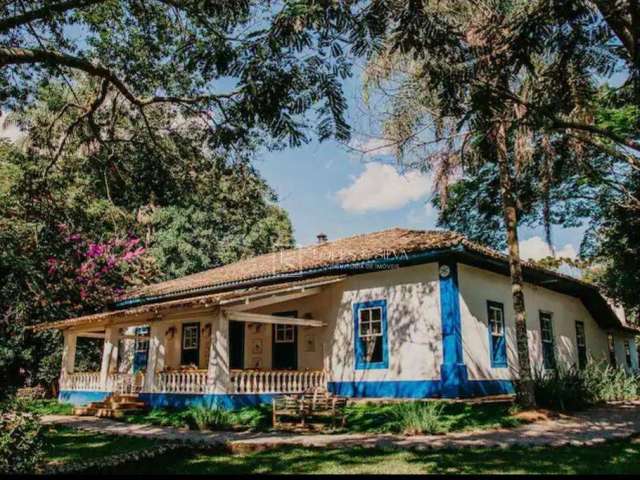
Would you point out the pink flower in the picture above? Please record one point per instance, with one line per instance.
(95, 250)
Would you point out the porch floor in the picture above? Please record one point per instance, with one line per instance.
(597, 425)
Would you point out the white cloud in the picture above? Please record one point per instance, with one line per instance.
(372, 147)
(535, 248)
(381, 187)
(423, 217)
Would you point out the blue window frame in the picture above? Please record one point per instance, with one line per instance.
(370, 334)
(497, 334)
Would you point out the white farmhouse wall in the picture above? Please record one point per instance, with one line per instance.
(477, 286)
(413, 317)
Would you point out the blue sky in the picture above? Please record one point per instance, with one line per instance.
(327, 188)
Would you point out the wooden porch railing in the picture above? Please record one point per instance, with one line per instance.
(187, 381)
(276, 381)
(81, 381)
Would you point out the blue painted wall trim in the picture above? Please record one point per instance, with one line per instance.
(81, 398)
(183, 400)
(453, 371)
(360, 363)
(419, 388)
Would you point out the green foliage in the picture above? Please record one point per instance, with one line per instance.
(205, 418)
(244, 69)
(448, 416)
(570, 389)
(419, 418)
(209, 418)
(48, 407)
(21, 444)
(59, 232)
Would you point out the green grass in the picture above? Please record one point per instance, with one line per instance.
(454, 416)
(63, 444)
(49, 407)
(367, 417)
(610, 458)
(247, 418)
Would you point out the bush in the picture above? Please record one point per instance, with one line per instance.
(414, 418)
(209, 418)
(574, 389)
(21, 442)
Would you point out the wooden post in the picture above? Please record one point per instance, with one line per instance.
(218, 379)
(109, 356)
(68, 356)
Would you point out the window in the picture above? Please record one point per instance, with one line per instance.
(546, 334)
(142, 339)
(627, 353)
(190, 337)
(581, 343)
(371, 334)
(497, 340)
(612, 350)
(285, 333)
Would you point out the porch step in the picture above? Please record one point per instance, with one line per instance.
(114, 406)
(113, 413)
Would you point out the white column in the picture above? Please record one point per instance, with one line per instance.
(155, 359)
(109, 355)
(218, 368)
(68, 355)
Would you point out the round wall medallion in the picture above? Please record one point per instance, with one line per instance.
(444, 271)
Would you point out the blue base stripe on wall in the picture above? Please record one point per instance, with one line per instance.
(182, 400)
(81, 398)
(421, 389)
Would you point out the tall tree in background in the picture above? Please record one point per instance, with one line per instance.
(500, 88)
(112, 215)
(247, 69)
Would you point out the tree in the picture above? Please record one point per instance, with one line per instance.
(108, 216)
(247, 69)
(502, 88)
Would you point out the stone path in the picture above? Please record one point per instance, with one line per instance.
(585, 428)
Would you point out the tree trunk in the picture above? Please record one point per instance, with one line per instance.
(524, 387)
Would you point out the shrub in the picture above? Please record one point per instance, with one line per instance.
(21, 443)
(573, 389)
(414, 418)
(209, 418)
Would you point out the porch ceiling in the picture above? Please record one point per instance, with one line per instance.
(233, 299)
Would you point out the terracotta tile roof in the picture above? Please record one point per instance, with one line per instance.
(386, 244)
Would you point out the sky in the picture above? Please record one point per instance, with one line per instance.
(326, 187)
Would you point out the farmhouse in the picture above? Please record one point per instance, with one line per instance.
(398, 313)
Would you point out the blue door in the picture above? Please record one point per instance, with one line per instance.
(141, 349)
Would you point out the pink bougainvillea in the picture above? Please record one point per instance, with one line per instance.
(97, 271)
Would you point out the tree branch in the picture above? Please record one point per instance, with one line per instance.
(44, 12)
(22, 56)
(559, 124)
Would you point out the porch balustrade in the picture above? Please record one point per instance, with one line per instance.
(188, 381)
(276, 381)
(195, 381)
(83, 381)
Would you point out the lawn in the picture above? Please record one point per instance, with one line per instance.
(623, 456)
(63, 444)
(369, 417)
(610, 458)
